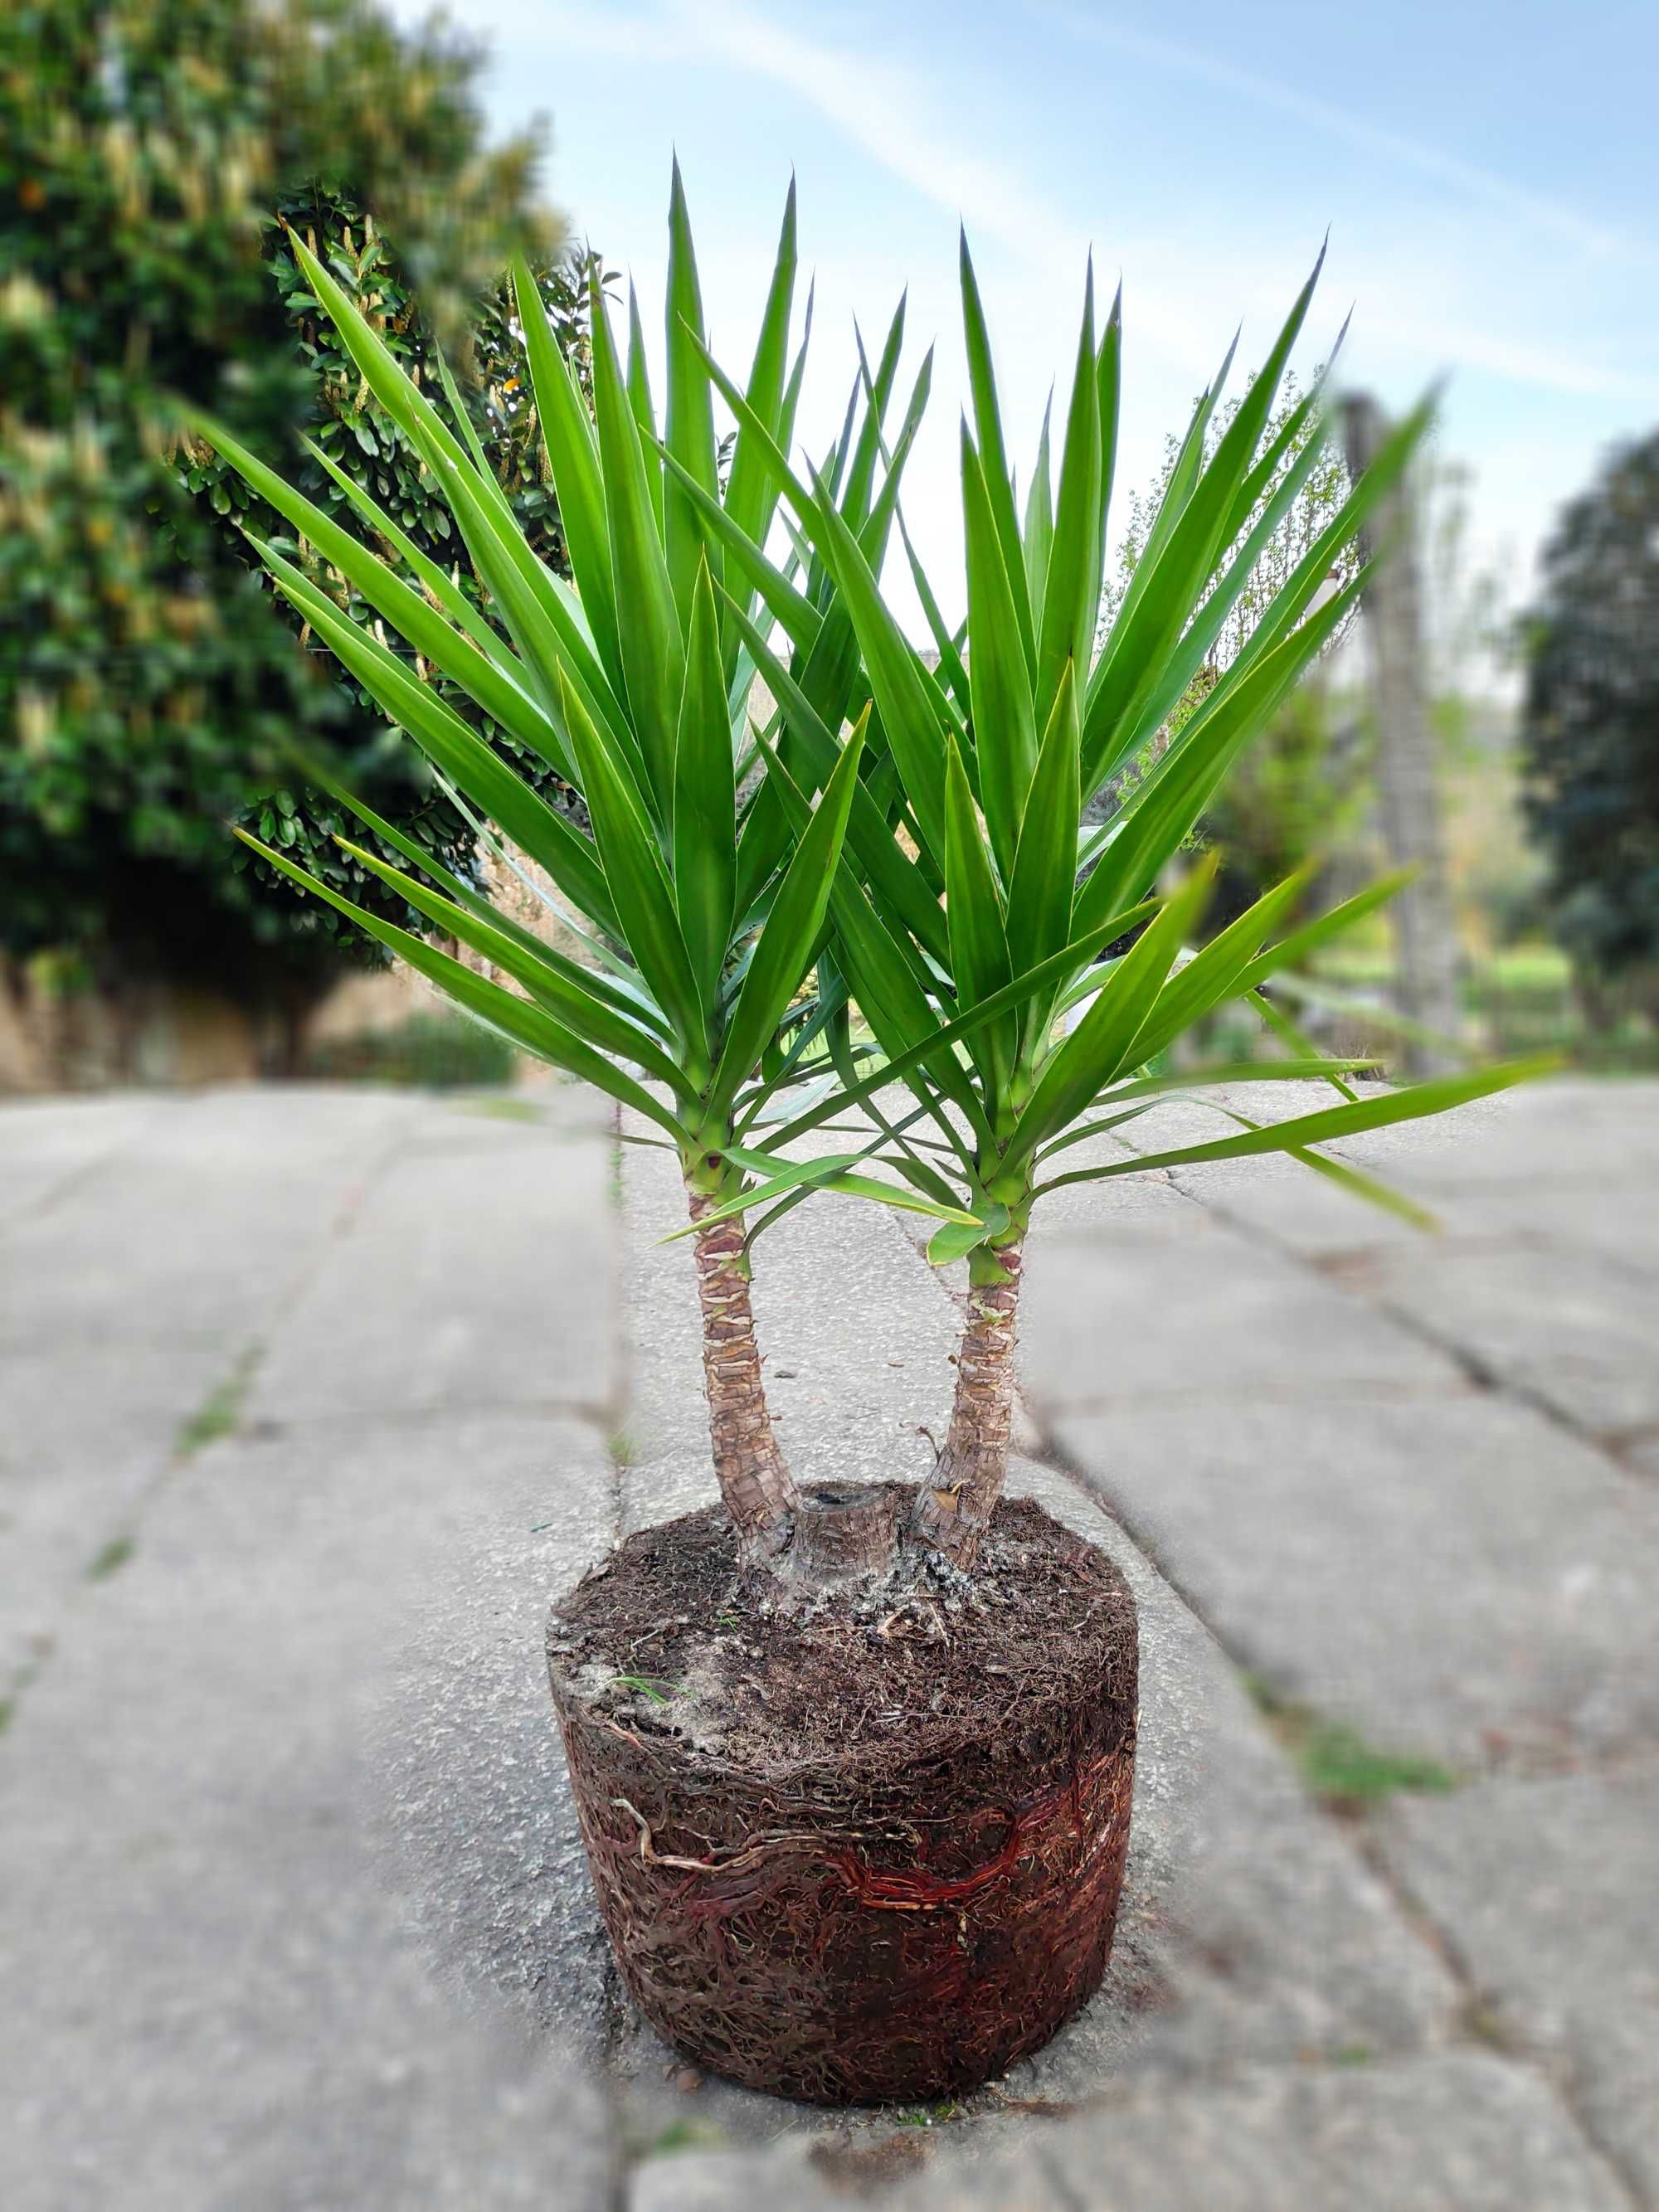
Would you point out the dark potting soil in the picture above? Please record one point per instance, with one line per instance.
(671, 1638)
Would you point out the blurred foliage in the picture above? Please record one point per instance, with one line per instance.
(432, 1052)
(1590, 733)
(149, 684)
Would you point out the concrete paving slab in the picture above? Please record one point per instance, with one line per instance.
(1215, 1317)
(477, 1273)
(47, 1144)
(1545, 1891)
(1571, 1326)
(75, 1465)
(1251, 1923)
(1454, 1575)
(1568, 1129)
(1456, 2132)
(469, 1774)
(180, 1239)
(226, 2004)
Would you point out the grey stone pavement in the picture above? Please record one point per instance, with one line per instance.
(312, 1399)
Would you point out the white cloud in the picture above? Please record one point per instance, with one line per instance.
(1536, 209)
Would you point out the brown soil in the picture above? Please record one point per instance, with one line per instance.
(864, 1845)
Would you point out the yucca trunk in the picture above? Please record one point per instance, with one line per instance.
(954, 1507)
(755, 1480)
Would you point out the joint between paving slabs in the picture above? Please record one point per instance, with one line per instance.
(1350, 1271)
(1480, 2024)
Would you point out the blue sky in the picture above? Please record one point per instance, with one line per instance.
(1490, 175)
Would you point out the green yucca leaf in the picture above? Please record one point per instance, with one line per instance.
(1436, 1095)
(638, 881)
(704, 833)
(1300, 589)
(690, 428)
(1108, 381)
(828, 1173)
(1039, 518)
(540, 613)
(505, 697)
(786, 943)
(559, 985)
(999, 681)
(441, 586)
(457, 411)
(1209, 521)
(887, 974)
(1040, 891)
(652, 655)
(1218, 972)
(794, 613)
(1070, 597)
(626, 997)
(528, 1026)
(870, 838)
(573, 456)
(419, 420)
(1160, 1088)
(993, 454)
(1170, 801)
(1189, 460)
(751, 491)
(979, 942)
(1301, 421)
(1295, 1042)
(912, 711)
(853, 497)
(1043, 978)
(952, 672)
(637, 383)
(453, 746)
(1192, 652)
(1106, 1039)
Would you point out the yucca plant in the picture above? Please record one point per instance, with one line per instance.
(993, 1004)
(699, 912)
(831, 1864)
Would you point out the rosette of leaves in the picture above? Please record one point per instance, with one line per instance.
(974, 946)
(698, 903)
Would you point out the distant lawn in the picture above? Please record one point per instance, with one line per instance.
(1522, 999)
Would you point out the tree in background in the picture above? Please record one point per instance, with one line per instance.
(148, 685)
(1590, 733)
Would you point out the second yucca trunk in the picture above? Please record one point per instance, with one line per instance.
(954, 1506)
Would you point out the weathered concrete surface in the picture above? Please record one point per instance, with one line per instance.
(1546, 1890)
(287, 1872)
(156, 1238)
(47, 1144)
(1466, 1569)
(223, 1947)
(1457, 2133)
(478, 1271)
(1211, 1318)
(1455, 1574)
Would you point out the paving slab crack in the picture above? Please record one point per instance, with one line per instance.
(1353, 1273)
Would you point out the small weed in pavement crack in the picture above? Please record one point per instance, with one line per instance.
(1336, 1762)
